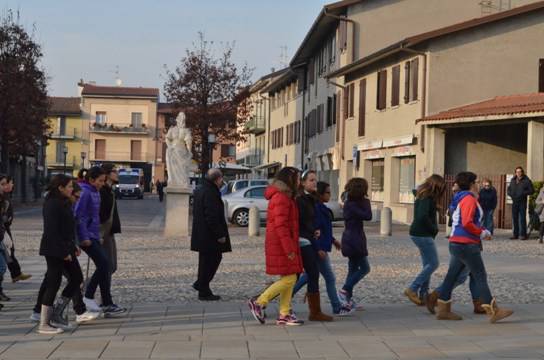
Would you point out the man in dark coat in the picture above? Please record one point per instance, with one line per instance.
(520, 187)
(210, 236)
(160, 190)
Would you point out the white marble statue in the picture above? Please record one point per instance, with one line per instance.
(178, 154)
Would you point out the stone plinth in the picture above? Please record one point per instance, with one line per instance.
(177, 211)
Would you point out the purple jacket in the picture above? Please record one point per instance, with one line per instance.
(87, 213)
(354, 238)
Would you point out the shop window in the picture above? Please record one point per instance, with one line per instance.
(377, 180)
(407, 179)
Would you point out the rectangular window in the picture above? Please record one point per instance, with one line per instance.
(541, 75)
(345, 103)
(343, 35)
(311, 72)
(407, 82)
(101, 118)
(329, 111)
(136, 150)
(62, 125)
(100, 149)
(407, 179)
(318, 119)
(232, 150)
(362, 107)
(352, 100)
(136, 120)
(414, 77)
(338, 115)
(395, 86)
(381, 100)
(333, 109)
(224, 150)
(60, 152)
(377, 179)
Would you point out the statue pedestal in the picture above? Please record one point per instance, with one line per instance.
(177, 211)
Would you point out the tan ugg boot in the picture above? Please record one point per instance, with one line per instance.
(495, 313)
(314, 303)
(412, 296)
(478, 309)
(444, 311)
(432, 298)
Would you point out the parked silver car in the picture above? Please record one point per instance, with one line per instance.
(239, 203)
(237, 185)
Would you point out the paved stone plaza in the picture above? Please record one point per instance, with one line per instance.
(165, 320)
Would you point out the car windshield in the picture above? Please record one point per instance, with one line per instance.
(128, 179)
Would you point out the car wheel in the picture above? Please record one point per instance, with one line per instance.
(241, 217)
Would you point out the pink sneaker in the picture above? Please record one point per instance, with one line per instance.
(289, 320)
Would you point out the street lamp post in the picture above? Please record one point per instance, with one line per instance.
(83, 156)
(65, 152)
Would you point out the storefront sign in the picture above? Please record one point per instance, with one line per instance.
(375, 154)
(403, 151)
(397, 141)
(370, 145)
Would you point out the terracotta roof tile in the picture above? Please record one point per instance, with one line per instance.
(64, 105)
(90, 89)
(500, 105)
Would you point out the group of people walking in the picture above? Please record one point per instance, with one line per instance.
(78, 215)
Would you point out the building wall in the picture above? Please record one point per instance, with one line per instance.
(74, 126)
(498, 59)
(383, 22)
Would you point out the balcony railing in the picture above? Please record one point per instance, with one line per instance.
(120, 128)
(69, 134)
(256, 125)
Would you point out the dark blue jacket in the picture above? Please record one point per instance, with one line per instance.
(88, 213)
(488, 199)
(323, 222)
(354, 238)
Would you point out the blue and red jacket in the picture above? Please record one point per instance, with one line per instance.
(467, 219)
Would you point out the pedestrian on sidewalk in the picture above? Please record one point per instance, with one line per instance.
(88, 214)
(110, 224)
(3, 248)
(210, 234)
(356, 210)
(309, 233)
(160, 190)
(488, 201)
(282, 249)
(539, 209)
(324, 244)
(519, 189)
(465, 251)
(13, 264)
(423, 231)
(57, 246)
(72, 272)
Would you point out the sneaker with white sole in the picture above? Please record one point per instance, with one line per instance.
(289, 320)
(113, 310)
(91, 305)
(256, 310)
(345, 311)
(35, 317)
(87, 317)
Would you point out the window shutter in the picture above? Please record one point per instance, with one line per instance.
(337, 115)
(362, 107)
(541, 75)
(343, 35)
(317, 117)
(381, 102)
(345, 109)
(334, 109)
(407, 82)
(100, 149)
(135, 150)
(414, 75)
(395, 88)
(352, 100)
(329, 111)
(311, 72)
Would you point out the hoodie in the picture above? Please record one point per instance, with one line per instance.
(87, 213)
(467, 219)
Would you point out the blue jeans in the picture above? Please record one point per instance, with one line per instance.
(466, 256)
(325, 268)
(488, 220)
(429, 259)
(519, 218)
(358, 268)
(461, 280)
(101, 276)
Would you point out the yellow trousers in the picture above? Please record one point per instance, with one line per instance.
(284, 288)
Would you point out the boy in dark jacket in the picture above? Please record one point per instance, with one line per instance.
(519, 189)
(487, 198)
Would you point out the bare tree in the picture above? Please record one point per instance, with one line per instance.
(23, 89)
(213, 92)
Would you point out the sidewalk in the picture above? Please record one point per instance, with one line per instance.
(228, 331)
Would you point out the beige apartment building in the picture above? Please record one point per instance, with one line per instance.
(122, 123)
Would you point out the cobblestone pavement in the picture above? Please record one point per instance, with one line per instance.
(165, 321)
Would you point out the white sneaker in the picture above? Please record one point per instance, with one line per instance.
(35, 317)
(86, 317)
(91, 305)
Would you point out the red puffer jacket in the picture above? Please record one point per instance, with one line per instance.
(281, 231)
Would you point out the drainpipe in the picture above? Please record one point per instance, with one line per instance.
(424, 92)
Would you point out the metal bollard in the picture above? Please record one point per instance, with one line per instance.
(254, 225)
(226, 208)
(386, 222)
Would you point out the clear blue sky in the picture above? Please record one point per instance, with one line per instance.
(88, 39)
